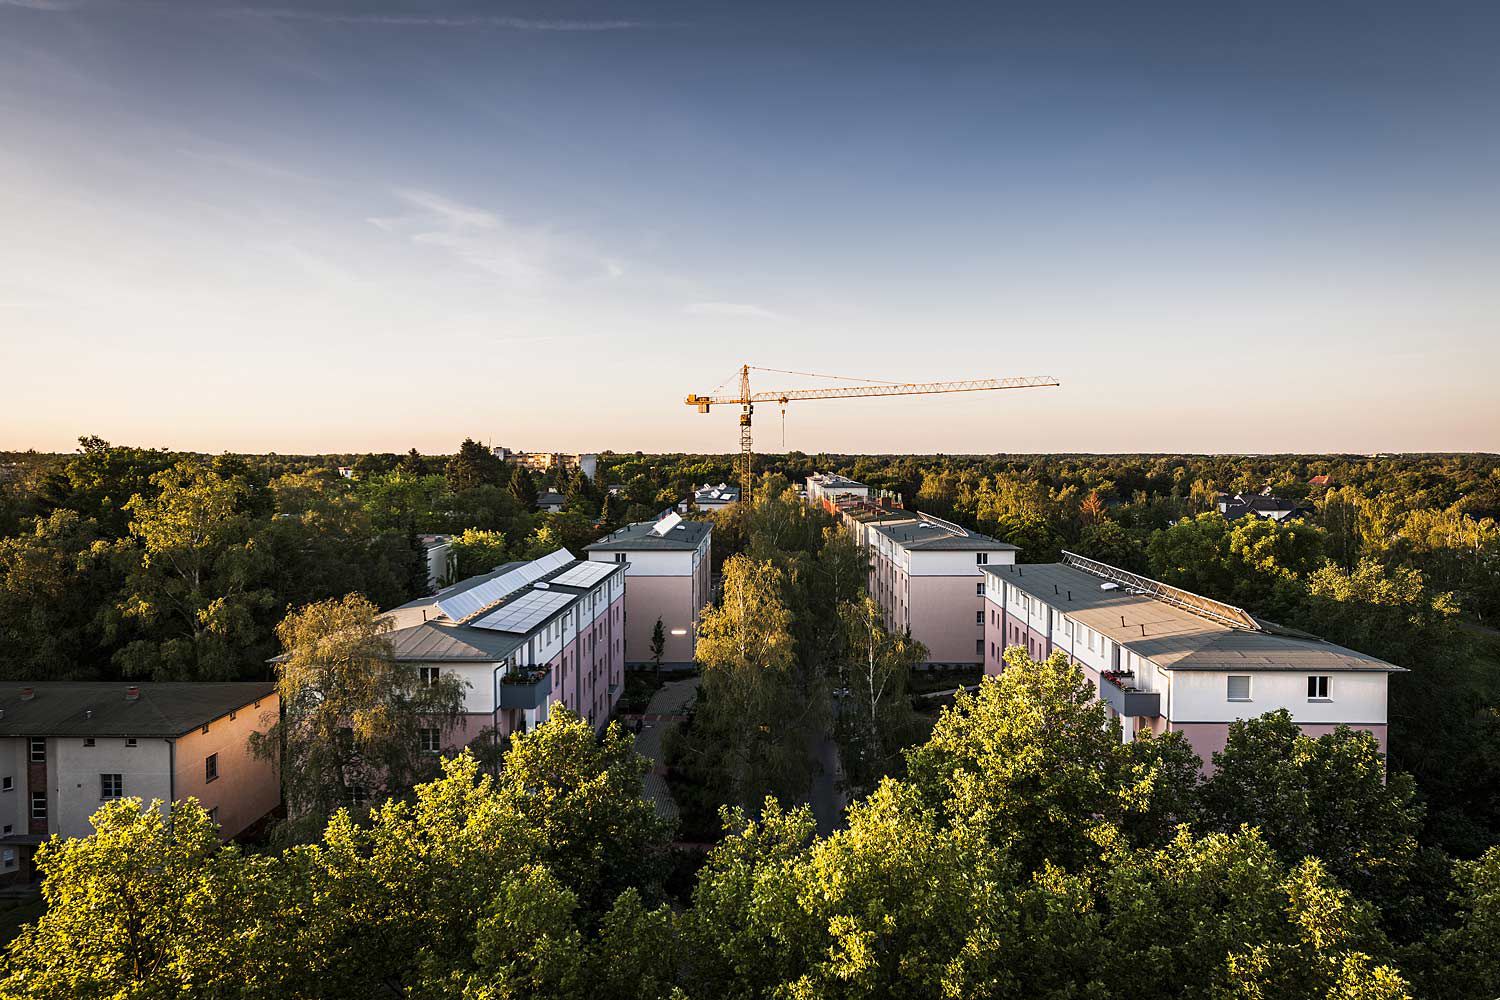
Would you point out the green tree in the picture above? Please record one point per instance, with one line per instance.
(475, 551)
(351, 714)
(473, 466)
(1326, 796)
(522, 487)
(194, 578)
(877, 720)
(658, 645)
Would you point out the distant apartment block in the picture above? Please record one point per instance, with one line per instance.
(66, 748)
(668, 579)
(548, 461)
(522, 637)
(829, 485)
(1164, 659)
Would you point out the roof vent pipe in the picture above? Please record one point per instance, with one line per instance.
(132, 693)
(28, 693)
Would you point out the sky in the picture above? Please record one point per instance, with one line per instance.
(334, 227)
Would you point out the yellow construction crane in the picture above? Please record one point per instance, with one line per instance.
(746, 400)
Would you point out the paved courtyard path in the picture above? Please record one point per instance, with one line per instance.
(667, 707)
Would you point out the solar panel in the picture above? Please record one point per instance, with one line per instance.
(584, 574)
(666, 524)
(460, 606)
(525, 612)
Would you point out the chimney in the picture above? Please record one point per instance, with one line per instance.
(28, 693)
(132, 693)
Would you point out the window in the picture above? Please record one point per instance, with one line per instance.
(427, 740)
(619, 557)
(8, 858)
(7, 784)
(978, 647)
(88, 741)
(130, 742)
(111, 786)
(979, 618)
(39, 750)
(1317, 688)
(358, 795)
(38, 805)
(213, 815)
(979, 589)
(211, 767)
(1239, 687)
(429, 675)
(981, 558)
(7, 830)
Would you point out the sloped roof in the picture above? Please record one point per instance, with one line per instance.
(1172, 637)
(86, 708)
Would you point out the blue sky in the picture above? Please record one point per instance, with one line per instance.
(327, 227)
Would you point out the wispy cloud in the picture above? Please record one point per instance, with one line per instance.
(495, 21)
(525, 258)
(739, 310)
(43, 4)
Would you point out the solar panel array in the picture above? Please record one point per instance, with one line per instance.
(584, 574)
(460, 606)
(525, 612)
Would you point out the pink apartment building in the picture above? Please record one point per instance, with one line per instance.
(1164, 659)
(927, 573)
(522, 637)
(67, 747)
(669, 561)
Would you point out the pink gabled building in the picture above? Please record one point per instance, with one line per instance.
(667, 578)
(522, 638)
(68, 747)
(1166, 659)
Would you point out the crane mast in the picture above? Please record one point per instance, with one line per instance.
(746, 400)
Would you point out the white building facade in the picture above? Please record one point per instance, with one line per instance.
(1165, 659)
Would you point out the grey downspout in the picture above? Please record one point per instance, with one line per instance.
(171, 770)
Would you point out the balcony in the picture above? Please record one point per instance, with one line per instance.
(1119, 692)
(525, 688)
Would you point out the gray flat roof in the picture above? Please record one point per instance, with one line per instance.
(88, 708)
(637, 537)
(1172, 637)
(930, 534)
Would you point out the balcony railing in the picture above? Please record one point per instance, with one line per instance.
(525, 688)
(1118, 691)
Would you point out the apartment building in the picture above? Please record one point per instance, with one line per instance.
(928, 575)
(669, 562)
(521, 637)
(67, 747)
(821, 485)
(1166, 659)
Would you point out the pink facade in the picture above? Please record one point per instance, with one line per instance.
(945, 615)
(215, 765)
(676, 600)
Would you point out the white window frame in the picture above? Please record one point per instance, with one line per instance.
(112, 780)
(1318, 687)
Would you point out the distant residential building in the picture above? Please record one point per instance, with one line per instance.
(346, 472)
(437, 552)
(707, 497)
(551, 502)
(829, 484)
(548, 461)
(68, 747)
(1165, 659)
(522, 637)
(1320, 482)
(668, 579)
(1238, 505)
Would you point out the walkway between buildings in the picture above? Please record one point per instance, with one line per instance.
(667, 707)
